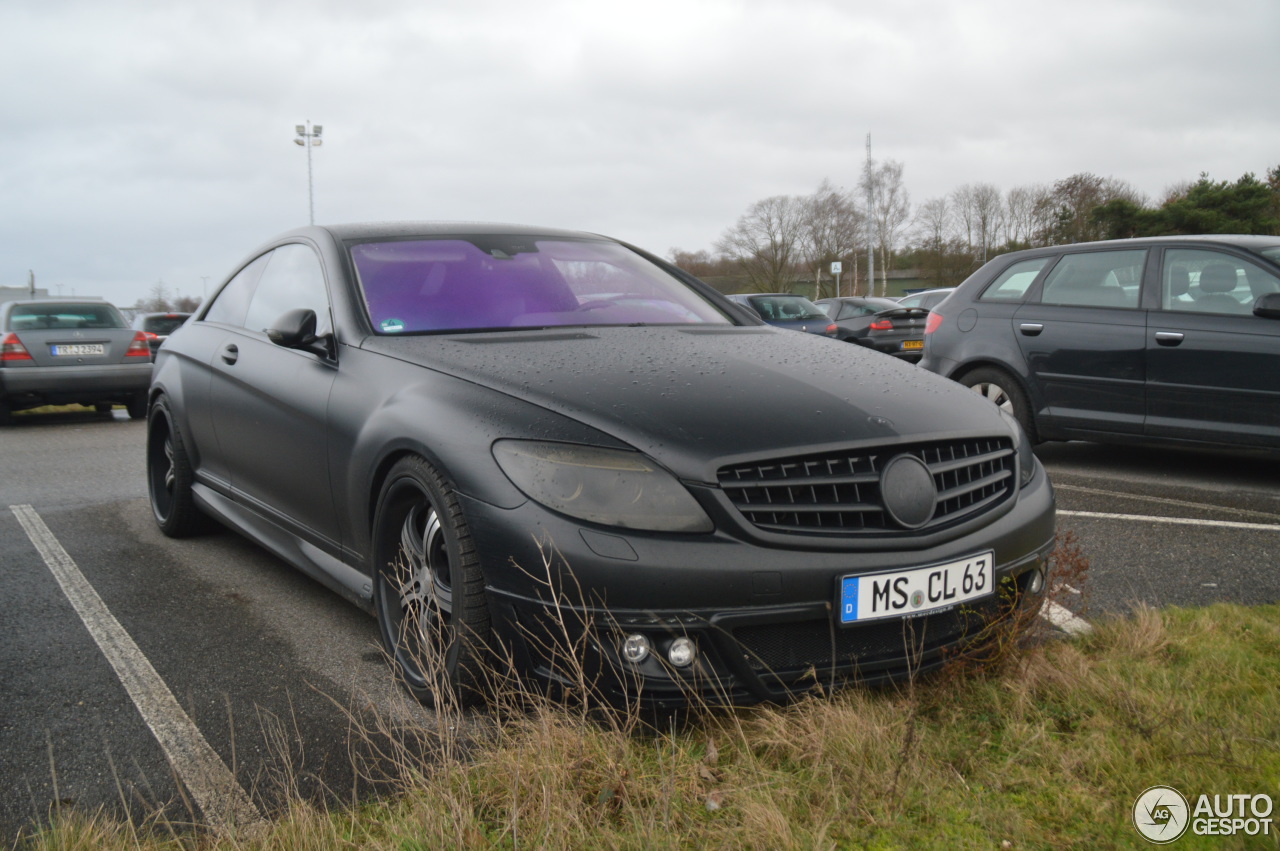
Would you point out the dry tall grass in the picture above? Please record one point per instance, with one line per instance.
(1044, 745)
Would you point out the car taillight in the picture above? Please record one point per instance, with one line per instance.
(139, 348)
(12, 349)
(882, 325)
(933, 322)
(150, 336)
(831, 329)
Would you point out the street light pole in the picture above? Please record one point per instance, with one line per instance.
(309, 137)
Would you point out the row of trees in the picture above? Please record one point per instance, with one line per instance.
(788, 238)
(159, 300)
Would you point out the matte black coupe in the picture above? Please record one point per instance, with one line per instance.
(553, 454)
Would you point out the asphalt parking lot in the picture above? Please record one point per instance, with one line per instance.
(113, 631)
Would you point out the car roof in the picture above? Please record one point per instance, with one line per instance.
(51, 302)
(1246, 241)
(402, 229)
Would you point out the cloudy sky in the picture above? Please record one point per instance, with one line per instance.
(151, 141)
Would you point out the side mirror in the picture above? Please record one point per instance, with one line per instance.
(296, 329)
(1267, 306)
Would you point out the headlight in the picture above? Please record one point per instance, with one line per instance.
(1026, 454)
(607, 486)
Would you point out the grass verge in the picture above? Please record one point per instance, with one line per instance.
(1049, 748)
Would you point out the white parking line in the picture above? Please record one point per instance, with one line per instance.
(212, 785)
(1181, 521)
(1181, 503)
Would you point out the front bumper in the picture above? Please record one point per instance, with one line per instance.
(761, 616)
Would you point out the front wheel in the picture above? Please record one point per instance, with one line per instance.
(170, 477)
(429, 594)
(1003, 390)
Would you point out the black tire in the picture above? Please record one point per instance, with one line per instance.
(103, 407)
(6, 413)
(1003, 390)
(137, 407)
(428, 591)
(169, 477)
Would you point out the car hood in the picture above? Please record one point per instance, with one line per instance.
(695, 398)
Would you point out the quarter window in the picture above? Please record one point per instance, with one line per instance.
(293, 279)
(1212, 282)
(232, 301)
(1013, 283)
(1096, 279)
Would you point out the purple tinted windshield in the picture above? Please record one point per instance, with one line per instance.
(483, 282)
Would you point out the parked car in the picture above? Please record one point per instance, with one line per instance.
(67, 351)
(928, 299)
(467, 431)
(784, 310)
(878, 323)
(1170, 340)
(158, 327)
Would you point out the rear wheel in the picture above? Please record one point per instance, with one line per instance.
(1003, 390)
(429, 594)
(169, 477)
(137, 407)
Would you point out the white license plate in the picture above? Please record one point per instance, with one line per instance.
(80, 349)
(918, 591)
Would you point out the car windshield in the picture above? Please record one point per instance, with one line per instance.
(786, 308)
(459, 283)
(35, 316)
(163, 325)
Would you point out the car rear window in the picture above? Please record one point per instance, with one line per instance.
(36, 317)
(489, 282)
(786, 308)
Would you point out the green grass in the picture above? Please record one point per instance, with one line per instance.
(1048, 748)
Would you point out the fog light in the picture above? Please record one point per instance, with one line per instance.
(1036, 585)
(682, 652)
(635, 648)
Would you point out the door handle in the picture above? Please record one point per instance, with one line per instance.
(1031, 329)
(230, 353)
(1168, 338)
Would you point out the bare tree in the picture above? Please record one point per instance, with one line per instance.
(765, 242)
(1021, 206)
(943, 257)
(935, 223)
(157, 301)
(890, 211)
(980, 208)
(829, 229)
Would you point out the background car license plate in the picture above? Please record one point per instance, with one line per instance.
(913, 344)
(916, 591)
(79, 349)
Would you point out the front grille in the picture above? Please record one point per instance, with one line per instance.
(789, 650)
(838, 493)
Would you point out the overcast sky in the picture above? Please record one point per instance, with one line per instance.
(153, 141)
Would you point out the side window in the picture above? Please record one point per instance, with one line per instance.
(1212, 282)
(1013, 283)
(1096, 279)
(293, 278)
(232, 301)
